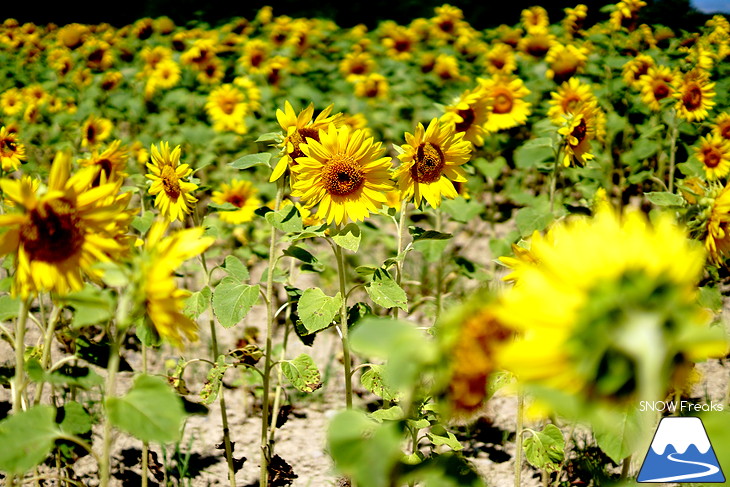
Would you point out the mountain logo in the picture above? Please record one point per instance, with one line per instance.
(681, 452)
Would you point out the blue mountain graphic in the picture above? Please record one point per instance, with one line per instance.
(671, 464)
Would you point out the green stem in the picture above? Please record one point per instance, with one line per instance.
(111, 385)
(19, 383)
(279, 388)
(145, 445)
(518, 438)
(673, 151)
(265, 453)
(339, 256)
(439, 269)
(47, 345)
(399, 265)
(626, 467)
(554, 180)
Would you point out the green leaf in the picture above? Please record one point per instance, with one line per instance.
(92, 306)
(69, 375)
(300, 254)
(540, 142)
(268, 137)
(235, 268)
(348, 237)
(529, 157)
(620, 438)
(432, 250)
(710, 297)
(27, 438)
(8, 307)
(545, 449)
(74, 419)
(462, 210)
(303, 373)
(213, 382)
(372, 380)
(419, 234)
(144, 222)
(113, 274)
(317, 310)
(384, 291)
(490, 170)
(393, 413)
(663, 198)
(251, 160)
(150, 411)
(198, 302)
(529, 219)
(232, 300)
(448, 440)
(287, 219)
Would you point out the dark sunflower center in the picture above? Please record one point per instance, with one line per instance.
(228, 106)
(210, 69)
(579, 132)
(692, 98)
(429, 163)
(106, 169)
(537, 47)
(725, 131)
(446, 26)
(256, 59)
(91, 133)
(402, 45)
(170, 182)
(711, 157)
(299, 137)
(641, 70)
(52, 233)
(96, 56)
(467, 119)
(236, 200)
(342, 176)
(358, 68)
(661, 91)
(503, 103)
(498, 62)
(7, 146)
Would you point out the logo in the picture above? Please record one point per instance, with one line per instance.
(681, 452)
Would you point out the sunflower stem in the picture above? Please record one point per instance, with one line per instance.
(19, 382)
(518, 437)
(439, 269)
(554, 180)
(673, 151)
(339, 256)
(399, 265)
(145, 445)
(111, 385)
(47, 343)
(270, 317)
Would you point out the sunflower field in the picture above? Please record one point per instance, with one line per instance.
(280, 252)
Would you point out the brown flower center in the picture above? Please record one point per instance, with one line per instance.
(300, 137)
(692, 98)
(725, 131)
(711, 157)
(170, 182)
(467, 119)
(342, 176)
(7, 146)
(503, 102)
(91, 133)
(402, 45)
(52, 234)
(579, 132)
(429, 163)
(106, 167)
(236, 200)
(661, 90)
(227, 106)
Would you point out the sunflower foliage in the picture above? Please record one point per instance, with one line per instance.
(424, 227)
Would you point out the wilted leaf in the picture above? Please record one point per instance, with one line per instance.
(545, 449)
(302, 372)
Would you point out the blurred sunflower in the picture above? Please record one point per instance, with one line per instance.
(399, 42)
(722, 126)
(254, 57)
(565, 61)
(211, 72)
(373, 86)
(447, 22)
(446, 67)
(535, 19)
(356, 65)
(626, 14)
(296, 129)
(251, 92)
(636, 68)
(694, 96)
(226, 107)
(570, 96)
(163, 300)
(111, 163)
(344, 172)
(61, 234)
(431, 159)
(578, 129)
(111, 80)
(537, 43)
(657, 85)
(95, 130)
(173, 195)
(574, 19)
(714, 153)
(586, 324)
(12, 152)
(469, 114)
(717, 226)
(509, 109)
(500, 59)
(242, 195)
(12, 102)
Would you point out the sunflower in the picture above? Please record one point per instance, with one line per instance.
(399, 42)
(111, 163)
(535, 19)
(469, 114)
(626, 14)
(657, 85)
(356, 65)
(694, 96)
(212, 72)
(227, 108)
(164, 301)
(12, 152)
(586, 324)
(573, 20)
(578, 129)
(430, 160)
(537, 43)
(251, 92)
(174, 195)
(111, 80)
(447, 22)
(344, 172)
(717, 237)
(95, 130)
(509, 109)
(446, 67)
(571, 95)
(165, 75)
(500, 59)
(254, 57)
(722, 126)
(565, 61)
(63, 233)
(636, 68)
(714, 153)
(242, 195)
(12, 102)
(372, 86)
(296, 129)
